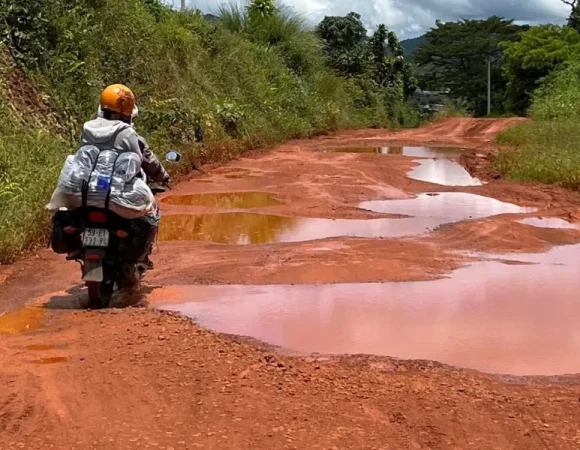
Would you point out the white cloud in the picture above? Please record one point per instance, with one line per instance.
(410, 18)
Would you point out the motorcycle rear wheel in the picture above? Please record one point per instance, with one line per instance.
(99, 294)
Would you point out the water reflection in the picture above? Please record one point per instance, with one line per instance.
(449, 206)
(247, 228)
(428, 211)
(517, 319)
(443, 172)
(225, 200)
(417, 152)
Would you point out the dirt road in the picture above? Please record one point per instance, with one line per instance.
(140, 378)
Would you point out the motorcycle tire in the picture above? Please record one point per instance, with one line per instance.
(100, 294)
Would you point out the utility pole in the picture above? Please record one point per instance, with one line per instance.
(183, 6)
(488, 85)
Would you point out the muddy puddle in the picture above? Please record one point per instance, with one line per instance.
(426, 211)
(225, 200)
(417, 152)
(549, 222)
(25, 319)
(444, 172)
(514, 319)
(437, 167)
(247, 228)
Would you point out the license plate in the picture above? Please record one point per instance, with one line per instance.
(96, 237)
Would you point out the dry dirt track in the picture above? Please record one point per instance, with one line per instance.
(136, 379)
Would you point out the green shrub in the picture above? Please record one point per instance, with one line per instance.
(559, 95)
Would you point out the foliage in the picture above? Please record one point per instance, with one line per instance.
(549, 145)
(345, 44)
(527, 61)
(543, 69)
(380, 78)
(558, 98)
(262, 8)
(455, 56)
(452, 108)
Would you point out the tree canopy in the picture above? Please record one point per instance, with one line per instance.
(455, 56)
(541, 50)
(352, 53)
(345, 40)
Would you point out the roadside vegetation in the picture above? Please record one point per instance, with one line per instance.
(210, 88)
(544, 76)
(547, 147)
(534, 72)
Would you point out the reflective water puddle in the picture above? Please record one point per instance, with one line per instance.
(550, 222)
(417, 152)
(443, 172)
(247, 228)
(25, 319)
(449, 206)
(428, 211)
(53, 360)
(225, 200)
(516, 319)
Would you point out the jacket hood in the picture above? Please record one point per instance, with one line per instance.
(100, 130)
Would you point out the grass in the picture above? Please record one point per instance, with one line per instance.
(548, 147)
(547, 152)
(30, 164)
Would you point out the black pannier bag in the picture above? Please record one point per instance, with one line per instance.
(61, 242)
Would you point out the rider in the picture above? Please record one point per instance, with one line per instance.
(110, 131)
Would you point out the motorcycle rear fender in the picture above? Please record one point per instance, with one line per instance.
(93, 270)
(93, 265)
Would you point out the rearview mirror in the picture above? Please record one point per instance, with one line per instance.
(172, 156)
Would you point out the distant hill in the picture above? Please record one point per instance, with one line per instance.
(410, 45)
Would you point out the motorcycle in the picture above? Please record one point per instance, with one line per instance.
(109, 245)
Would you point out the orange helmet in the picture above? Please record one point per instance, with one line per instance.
(118, 98)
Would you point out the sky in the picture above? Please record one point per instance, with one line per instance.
(411, 18)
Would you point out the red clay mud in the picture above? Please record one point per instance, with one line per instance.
(139, 378)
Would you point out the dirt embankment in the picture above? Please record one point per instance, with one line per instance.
(137, 379)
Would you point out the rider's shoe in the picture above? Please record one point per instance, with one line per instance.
(147, 263)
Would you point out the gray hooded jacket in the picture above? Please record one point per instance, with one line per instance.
(120, 136)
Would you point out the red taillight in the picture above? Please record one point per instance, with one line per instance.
(122, 234)
(93, 257)
(70, 230)
(97, 217)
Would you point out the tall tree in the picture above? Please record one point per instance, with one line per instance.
(574, 19)
(389, 65)
(540, 51)
(350, 51)
(455, 56)
(345, 40)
